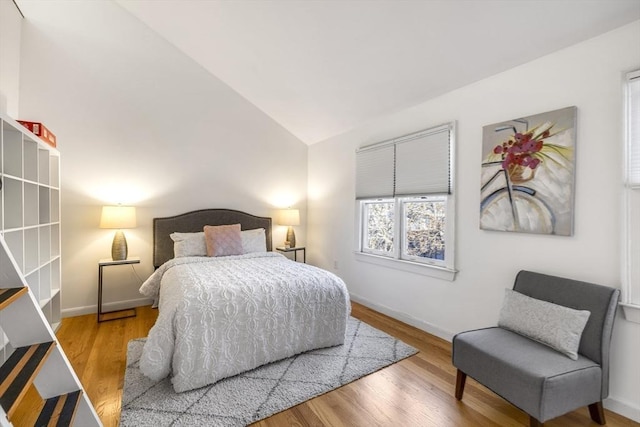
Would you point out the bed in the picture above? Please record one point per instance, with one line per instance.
(223, 315)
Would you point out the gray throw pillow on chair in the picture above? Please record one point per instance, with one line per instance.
(554, 325)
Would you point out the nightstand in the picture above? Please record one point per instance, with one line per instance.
(115, 314)
(295, 252)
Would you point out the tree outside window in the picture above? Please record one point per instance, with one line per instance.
(379, 226)
(425, 229)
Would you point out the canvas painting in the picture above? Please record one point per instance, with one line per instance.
(528, 169)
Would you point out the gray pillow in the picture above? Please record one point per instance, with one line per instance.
(554, 325)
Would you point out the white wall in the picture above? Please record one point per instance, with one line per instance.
(10, 24)
(588, 75)
(139, 123)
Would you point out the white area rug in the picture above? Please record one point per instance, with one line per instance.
(262, 392)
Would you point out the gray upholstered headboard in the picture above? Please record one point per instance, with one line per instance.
(192, 222)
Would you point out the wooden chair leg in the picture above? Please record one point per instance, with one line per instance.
(461, 378)
(533, 422)
(597, 413)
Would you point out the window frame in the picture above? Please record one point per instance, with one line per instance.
(399, 234)
(403, 229)
(631, 209)
(364, 228)
(440, 269)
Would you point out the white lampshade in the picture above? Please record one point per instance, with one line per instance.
(118, 217)
(289, 217)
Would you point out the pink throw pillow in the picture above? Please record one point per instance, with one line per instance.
(223, 240)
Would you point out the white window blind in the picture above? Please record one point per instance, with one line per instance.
(633, 115)
(375, 172)
(415, 164)
(422, 164)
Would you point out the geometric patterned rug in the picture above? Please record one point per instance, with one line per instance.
(261, 392)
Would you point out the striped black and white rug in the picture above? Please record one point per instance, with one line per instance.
(264, 391)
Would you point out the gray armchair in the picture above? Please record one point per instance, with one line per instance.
(537, 379)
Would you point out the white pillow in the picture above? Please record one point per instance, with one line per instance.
(254, 240)
(189, 244)
(554, 325)
(194, 244)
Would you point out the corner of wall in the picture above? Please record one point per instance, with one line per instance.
(10, 31)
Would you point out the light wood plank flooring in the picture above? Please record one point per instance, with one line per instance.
(418, 391)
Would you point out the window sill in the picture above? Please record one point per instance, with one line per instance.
(409, 266)
(631, 312)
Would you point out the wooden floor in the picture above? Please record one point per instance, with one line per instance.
(417, 391)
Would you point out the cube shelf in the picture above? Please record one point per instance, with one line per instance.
(30, 212)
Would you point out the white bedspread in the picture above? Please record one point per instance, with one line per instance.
(222, 316)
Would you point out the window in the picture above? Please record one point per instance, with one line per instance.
(631, 233)
(405, 198)
(378, 227)
(424, 228)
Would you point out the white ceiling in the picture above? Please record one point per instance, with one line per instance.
(320, 68)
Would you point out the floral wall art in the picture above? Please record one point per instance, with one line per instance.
(528, 169)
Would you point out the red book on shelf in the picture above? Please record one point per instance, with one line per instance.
(40, 130)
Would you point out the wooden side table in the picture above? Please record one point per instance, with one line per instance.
(295, 252)
(115, 314)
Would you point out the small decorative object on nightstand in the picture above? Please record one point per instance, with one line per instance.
(116, 314)
(295, 252)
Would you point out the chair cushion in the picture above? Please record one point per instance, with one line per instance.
(530, 375)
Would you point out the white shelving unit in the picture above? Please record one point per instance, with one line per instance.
(30, 353)
(30, 212)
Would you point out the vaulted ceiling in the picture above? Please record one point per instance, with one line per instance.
(322, 67)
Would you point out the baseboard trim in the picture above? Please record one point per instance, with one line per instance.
(93, 309)
(622, 408)
(403, 317)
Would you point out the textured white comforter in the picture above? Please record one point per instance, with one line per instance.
(222, 316)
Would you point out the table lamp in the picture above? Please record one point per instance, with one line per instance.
(118, 217)
(290, 217)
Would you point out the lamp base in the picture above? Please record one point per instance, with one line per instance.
(291, 237)
(119, 247)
